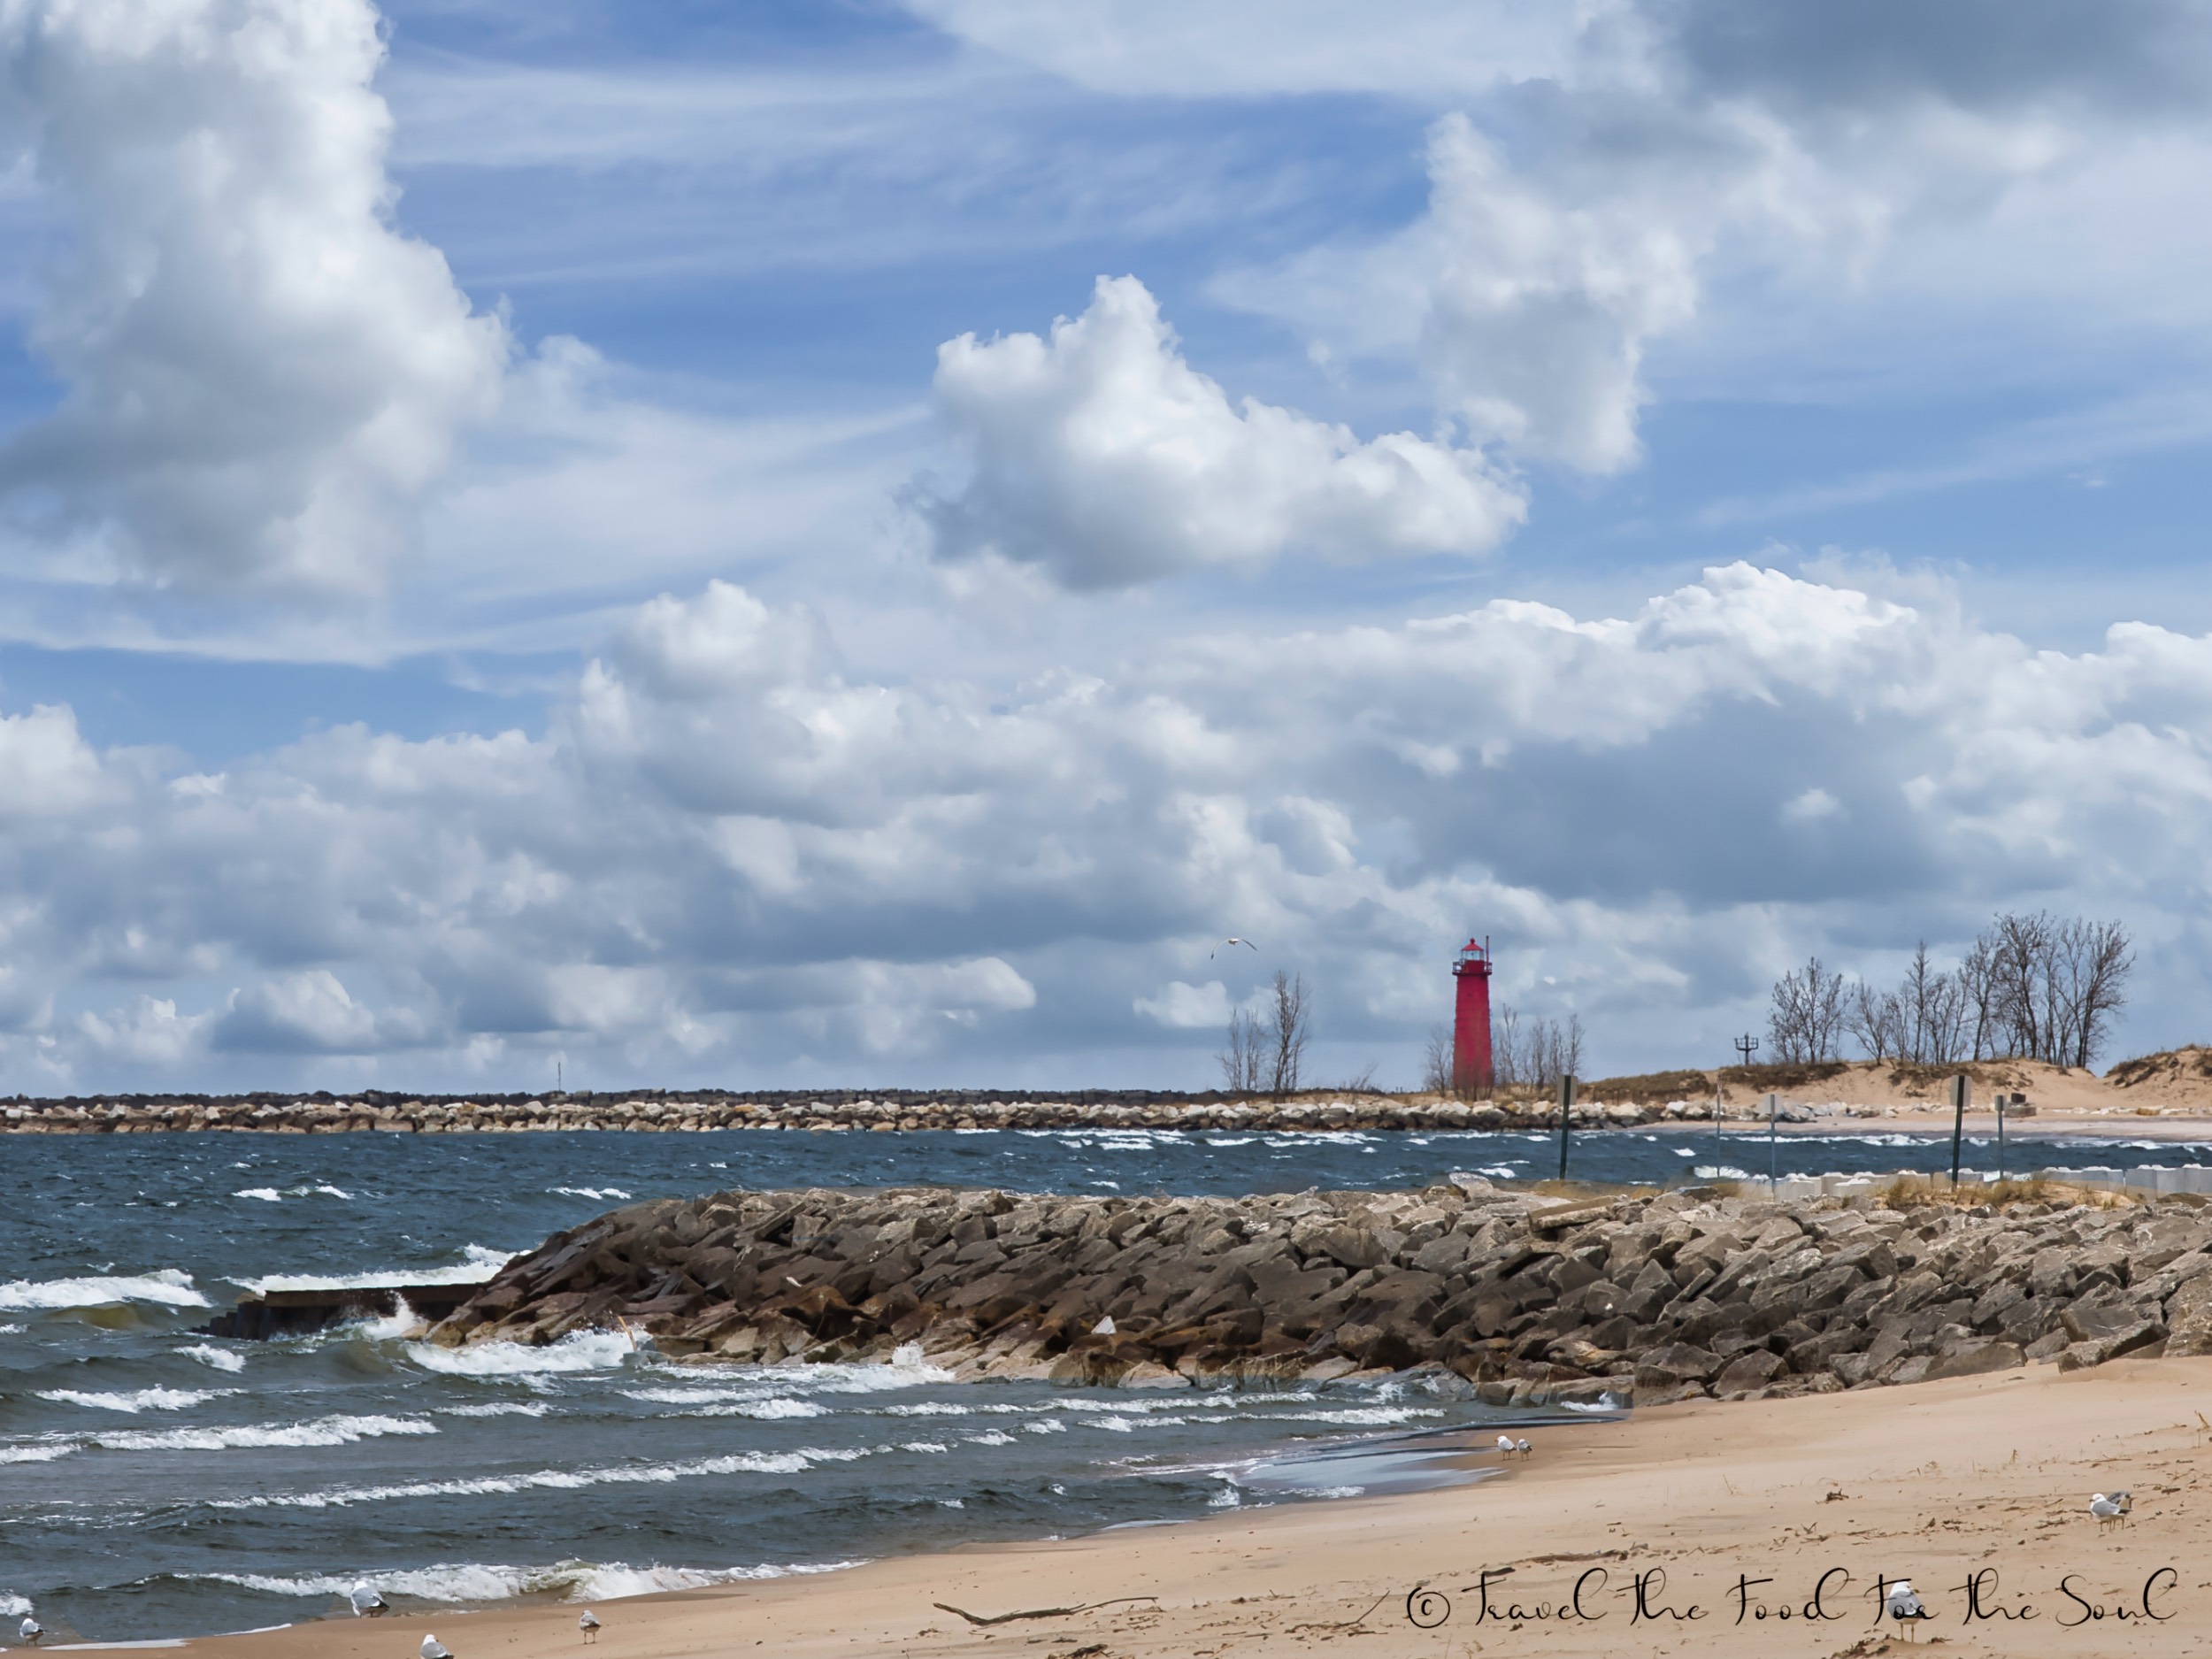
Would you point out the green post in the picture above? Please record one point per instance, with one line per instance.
(1959, 1090)
(1566, 1112)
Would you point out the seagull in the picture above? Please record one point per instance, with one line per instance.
(589, 1625)
(2126, 1501)
(1505, 1445)
(1231, 940)
(1522, 1447)
(31, 1631)
(2106, 1510)
(1903, 1606)
(367, 1602)
(433, 1648)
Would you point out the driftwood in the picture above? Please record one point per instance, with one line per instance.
(1038, 1612)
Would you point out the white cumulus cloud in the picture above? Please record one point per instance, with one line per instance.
(262, 374)
(1103, 456)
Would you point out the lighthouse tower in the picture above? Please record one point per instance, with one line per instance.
(1471, 1072)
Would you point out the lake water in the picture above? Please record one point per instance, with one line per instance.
(154, 1482)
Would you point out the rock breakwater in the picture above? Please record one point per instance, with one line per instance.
(663, 1111)
(1650, 1297)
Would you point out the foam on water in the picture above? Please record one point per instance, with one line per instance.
(330, 1431)
(495, 1362)
(477, 1263)
(14, 1606)
(794, 1463)
(498, 1408)
(461, 1583)
(45, 1453)
(221, 1359)
(771, 1410)
(266, 1194)
(597, 1194)
(137, 1400)
(166, 1286)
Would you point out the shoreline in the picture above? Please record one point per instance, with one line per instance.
(1937, 1481)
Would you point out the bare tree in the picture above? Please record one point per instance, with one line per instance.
(1440, 1062)
(1570, 1048)
(1240, 1057)
(1875, 1020)
(1806, 1020)
(1285, 1033)
(2099, 958)
(1505, 1050)
(1976, 982)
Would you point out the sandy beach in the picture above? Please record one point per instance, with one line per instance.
(1819, 1496)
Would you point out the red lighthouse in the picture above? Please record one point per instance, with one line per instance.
(1471, 1072)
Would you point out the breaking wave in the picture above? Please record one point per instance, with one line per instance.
(465, 1582)
(137, 1400)
(168, 1287)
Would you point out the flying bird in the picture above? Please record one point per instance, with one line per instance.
(1231, 940)
(2106, 1510)
(367, 1602)
(1903, 1606)
(589, 1625)
(31, 1631)
(433, 1648)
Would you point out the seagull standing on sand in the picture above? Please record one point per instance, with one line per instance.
(2126, 1501)
(31, 1631)
(1231, 940)
(1505, 1446)
(433, 1648)
(2106, 1510)
(1903, 1606)
(589, 1625)
(1522, 1447)
(367, 1602)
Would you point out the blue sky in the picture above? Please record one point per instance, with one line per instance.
(845, 543)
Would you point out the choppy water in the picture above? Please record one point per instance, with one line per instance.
(154, 1482)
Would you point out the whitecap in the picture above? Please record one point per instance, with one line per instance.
(14, 1606)
(595, 1192)
(792, 1463)
(497, 1409)
(1045, 1425)
(1375, 1417)
(168, 1287)
(44, 1452)
(1720, 1173)
(992, 1438)
(266, 1194)
(928, 1409)
(579, 1351)
(926, 1446)
(462, 1582)
(330, 1431)
(11, 1330)
(770, 1410)
(135, 1400)
(477, 1265)
(221, 1359)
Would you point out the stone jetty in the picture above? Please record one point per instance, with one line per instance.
(1648, 1297)
(666, 1111)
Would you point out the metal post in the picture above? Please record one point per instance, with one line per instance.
(1566, 1111)
(1774, 1134)
(1747, 1046)
(2001, 1134)
(1959, 1090)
